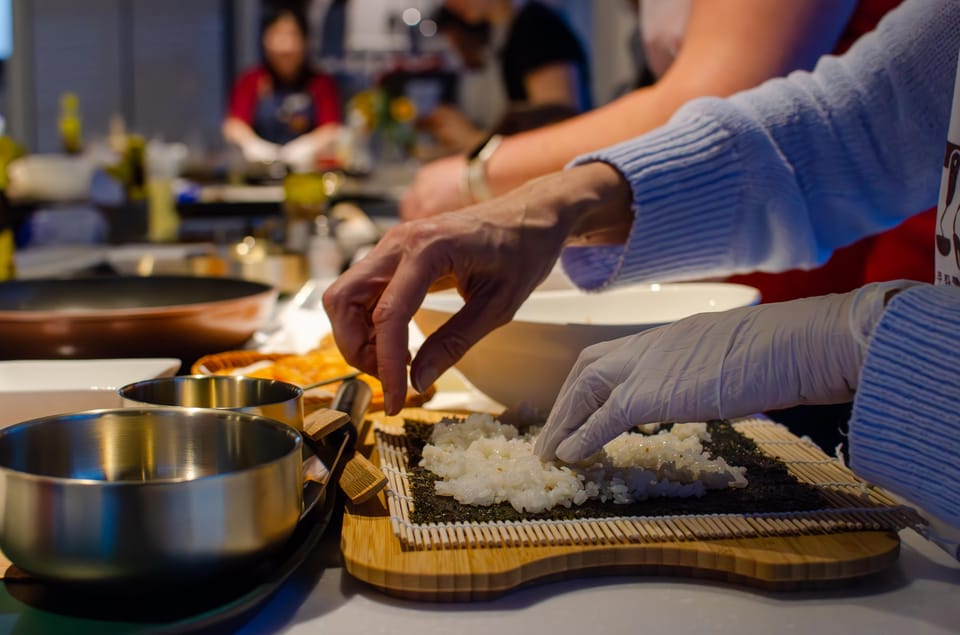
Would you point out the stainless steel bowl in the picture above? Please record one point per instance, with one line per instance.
(153, 493)
(265, 397)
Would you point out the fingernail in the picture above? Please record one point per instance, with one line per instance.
(391, 407)
(569, 450)
(424, 377)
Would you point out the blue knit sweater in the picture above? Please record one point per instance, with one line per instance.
(778, 177)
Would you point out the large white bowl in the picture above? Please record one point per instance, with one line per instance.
(36, 388)
(528, 359)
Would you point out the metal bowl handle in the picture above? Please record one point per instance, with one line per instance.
(331, 434)
(328, 435)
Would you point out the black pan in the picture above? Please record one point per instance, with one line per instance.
(162, 316)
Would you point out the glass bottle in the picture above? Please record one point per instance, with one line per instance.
(69, 124)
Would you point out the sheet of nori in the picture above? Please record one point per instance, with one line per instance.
(771, 488)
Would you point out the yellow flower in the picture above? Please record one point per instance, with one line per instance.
(402, 109)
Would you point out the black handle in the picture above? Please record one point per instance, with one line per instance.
(353, 397)
(334, 449)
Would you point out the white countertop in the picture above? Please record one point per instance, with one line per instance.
(919, 595)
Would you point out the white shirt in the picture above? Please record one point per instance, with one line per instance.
(662, 27)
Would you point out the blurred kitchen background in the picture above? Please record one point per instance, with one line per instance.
(112, 115)
(166, 66)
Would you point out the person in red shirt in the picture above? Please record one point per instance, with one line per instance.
(282, 110)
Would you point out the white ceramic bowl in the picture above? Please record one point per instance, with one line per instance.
(50, 177)
(37, 388)
(528, 359)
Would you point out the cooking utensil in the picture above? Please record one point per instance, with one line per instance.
(275, 399)
(361, 479)
(551, 328)
(161, 316)
(153, 494)
(224, 605)
(333, 380)
(265, 397)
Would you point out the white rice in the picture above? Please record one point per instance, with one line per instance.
(484, 462)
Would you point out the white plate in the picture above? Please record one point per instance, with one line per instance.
(37, 388)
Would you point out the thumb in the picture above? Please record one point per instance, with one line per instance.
(606, 423)
(445, 346)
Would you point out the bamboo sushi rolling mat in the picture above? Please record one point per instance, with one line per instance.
(853, 536)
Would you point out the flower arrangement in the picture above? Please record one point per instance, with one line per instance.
(379, 113)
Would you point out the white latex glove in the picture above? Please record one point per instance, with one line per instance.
(714, 366)
(301, 153)
(257, 150)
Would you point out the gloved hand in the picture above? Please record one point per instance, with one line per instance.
(301, 153)
(257, 150)
(715, 365)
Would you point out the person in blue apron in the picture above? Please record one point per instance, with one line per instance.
(771, 178)
(282, 110)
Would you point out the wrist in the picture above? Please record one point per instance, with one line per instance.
(602, 212)
(583, 205)
(475, 183)
(868, 305)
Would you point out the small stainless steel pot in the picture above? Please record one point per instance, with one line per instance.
(265, 397)
(151, 493)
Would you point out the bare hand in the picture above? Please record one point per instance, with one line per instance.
(494, 254)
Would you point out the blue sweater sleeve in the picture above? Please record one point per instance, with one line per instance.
(777, 177)
(905, 426)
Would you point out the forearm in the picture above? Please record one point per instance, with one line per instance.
(237, 131)
(531, 154)
(728, 47)
(587, 205)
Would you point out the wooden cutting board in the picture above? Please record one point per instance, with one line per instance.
(373, 553)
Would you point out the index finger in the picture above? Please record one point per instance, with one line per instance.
(349, 303)
(391, 316)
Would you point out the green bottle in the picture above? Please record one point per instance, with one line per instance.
(69, 124)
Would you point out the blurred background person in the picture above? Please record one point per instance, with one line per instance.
(544, 69)
(282, 110)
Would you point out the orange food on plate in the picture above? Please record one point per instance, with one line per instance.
(318, 364)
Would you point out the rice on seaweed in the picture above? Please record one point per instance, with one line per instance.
(484, 462)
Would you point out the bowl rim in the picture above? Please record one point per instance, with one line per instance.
(646, 287)
(258, 292)
(67, 419)
(297, 391)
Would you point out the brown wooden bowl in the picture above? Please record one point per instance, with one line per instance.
(118, 316)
